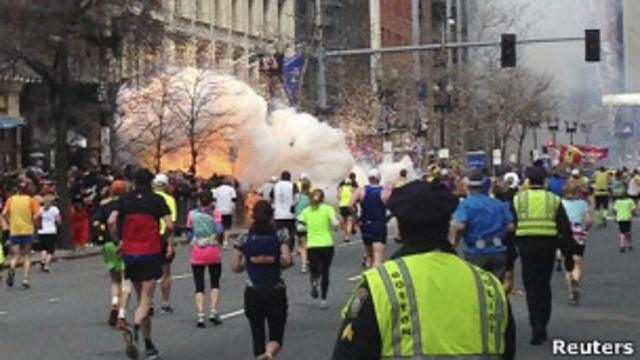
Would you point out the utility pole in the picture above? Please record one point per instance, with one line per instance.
(321, 81)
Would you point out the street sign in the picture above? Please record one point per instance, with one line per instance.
(476, 160)
(497, 157)
(387, 152)
(443, 153)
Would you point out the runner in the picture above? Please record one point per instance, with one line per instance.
(625, 210)
(633, 188)
(136, 220)
(319, 219)
(267, 189)
(160, 187)
(264, 253)
(578, 213)
(21, 213)
(48, 232)
(373, 221)
(302, 202)
(225, 196)
(601, 192)
(119, 291)
(283, 195)
(205, 236)
(402, 180)
(345, 193)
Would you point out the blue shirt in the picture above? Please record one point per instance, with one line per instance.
(555, 184)
(485, 219)
(255, 243)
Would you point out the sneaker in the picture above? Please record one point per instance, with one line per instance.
(113, 317)
(622, 250)
(630, 247)
(152, 311)
(121, 324)
(303, 269)
(164, 310)
(200, 323)
(314, 291)
(10, 277)
(346, 240)
(214, 317)
(130, 343)
(25, 284)
(558, 265)
(42, 268)
(324, 304)
(152, 353)
(264, 357)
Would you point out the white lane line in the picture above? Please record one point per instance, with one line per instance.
(183, 276)
(351, 243)
(232, 314)
(355, 278)
(3, 313)
(53, 300)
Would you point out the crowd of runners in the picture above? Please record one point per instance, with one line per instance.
(137, 216)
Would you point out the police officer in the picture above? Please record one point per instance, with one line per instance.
(404, 308)
(542, 227)
(484, 223)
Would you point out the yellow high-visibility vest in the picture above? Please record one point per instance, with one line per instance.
(436, 305)
(536, 211)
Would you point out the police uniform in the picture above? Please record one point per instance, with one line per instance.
(542, 227)
(426, 302)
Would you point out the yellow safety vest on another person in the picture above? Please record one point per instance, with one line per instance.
(437, 305)
(601, 183)
(171, 204)
(346, 193)
(536, 211)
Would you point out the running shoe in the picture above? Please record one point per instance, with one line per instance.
(152, 311)
(200, 323)
(25, 284)
(151, 353)
(346, 240)
(622, 250)
(558, 265)
(121, 324)
(10, 277)
(324, 304)
(314, 290)
(264, 357)
(42, 267)
(113, 317)
(167, 309)
(214, 317)
(130, 343)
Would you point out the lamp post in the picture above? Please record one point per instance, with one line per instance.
(572, 128)
(443, 105)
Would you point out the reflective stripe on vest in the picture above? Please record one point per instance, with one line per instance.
(536, 211)
(437, 305)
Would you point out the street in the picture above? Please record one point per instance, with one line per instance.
(64, 315)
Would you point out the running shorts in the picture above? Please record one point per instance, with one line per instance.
(48, 242)
(602, 202)
(346, 212)
(143, 270)
(227, 222)
(624, 226)
(22, 240)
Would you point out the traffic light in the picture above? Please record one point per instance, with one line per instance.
(592, 45)
(508, 50)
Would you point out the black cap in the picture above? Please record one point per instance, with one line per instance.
(422, 202)
(536, 174)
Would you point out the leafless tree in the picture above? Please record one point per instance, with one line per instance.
(195, 107)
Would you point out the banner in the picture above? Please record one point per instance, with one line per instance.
(291, 69)
(575, 155)
(476, 160)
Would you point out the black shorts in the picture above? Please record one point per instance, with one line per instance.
(270, 305)
(47, 243)
(580, 249)
(346, 212)
(370, 241)
(227, 222)
(139, 271)
(602, 202)
(215, 270)
(624, 226)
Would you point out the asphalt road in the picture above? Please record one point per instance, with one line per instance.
(64, 315)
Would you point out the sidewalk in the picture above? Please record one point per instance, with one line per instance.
(96, 250)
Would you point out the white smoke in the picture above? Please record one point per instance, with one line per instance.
(267, 143)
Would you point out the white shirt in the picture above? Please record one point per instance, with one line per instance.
(224, 195)
(283, 200)
(632, 188)
(266, 190)
(49, 225)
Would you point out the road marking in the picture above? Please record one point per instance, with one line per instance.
(3, 313)
(351, 243)
(183, 276)
(355, 278)
(232, 314)
(53, 300)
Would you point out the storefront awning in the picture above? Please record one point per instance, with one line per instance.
(9, 123)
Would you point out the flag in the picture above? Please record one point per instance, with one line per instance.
(291, 69)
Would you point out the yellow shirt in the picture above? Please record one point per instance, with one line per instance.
(20, 209)
(171, 204)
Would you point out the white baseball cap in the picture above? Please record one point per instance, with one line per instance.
(303, 176)
(575, 172)
(374, 173)
(161, 180)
